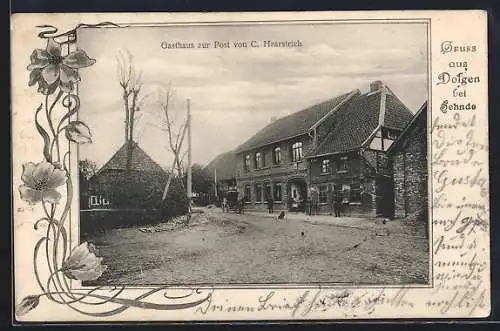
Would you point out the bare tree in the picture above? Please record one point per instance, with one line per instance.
(131, 83)
(174, 129)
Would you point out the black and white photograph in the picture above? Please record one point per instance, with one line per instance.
(243, 154)
(179, 167)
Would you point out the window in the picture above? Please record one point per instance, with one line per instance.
(346, 192)
(355, 193)
(258, 160)
(247, 193)
(325, 166)
(258, 192)
(390, 134)
(267, 192)
(342, 165)
(277, 155)
(337, 191)
(93, 201)
(247, 162)
(278, 195)
(323, 194)
(297, 152)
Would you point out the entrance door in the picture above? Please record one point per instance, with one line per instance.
(385, 196)
(297, 194)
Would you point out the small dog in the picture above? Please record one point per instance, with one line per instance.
(281, 216)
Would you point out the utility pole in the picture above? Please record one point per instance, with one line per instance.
(215, 181)
(189, 175)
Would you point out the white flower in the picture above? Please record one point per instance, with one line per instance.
(83, 264)
(78, 132)
(40, 181)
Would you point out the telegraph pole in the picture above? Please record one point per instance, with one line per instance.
(189, 175)
(215, 181)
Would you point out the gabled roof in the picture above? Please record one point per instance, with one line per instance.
(359, 119)
(397, 116)
(225, 164)
(295, 124)
(139, 160)
(420, 117)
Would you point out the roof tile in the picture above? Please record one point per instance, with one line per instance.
(291, 125)
(225, 164)
(357, 120)
(139, 160)
(397, 116)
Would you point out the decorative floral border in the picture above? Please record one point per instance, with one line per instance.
(56, 76)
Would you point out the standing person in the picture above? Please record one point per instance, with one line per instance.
(224, 204)
(295, 204)
(309, 206)
(314, 202)
(270, 204)
(240, 204)
(331, 203)
(336, 205)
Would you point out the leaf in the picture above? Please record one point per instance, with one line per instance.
(35, 76)
(78, 132)
(45, 136)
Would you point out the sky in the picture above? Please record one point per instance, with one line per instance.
(234, 92)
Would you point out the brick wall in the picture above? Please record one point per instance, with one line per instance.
(272, 173)
(283, 178)
(410, 172)
(364, 208)
(358, 173)
(286, 164)
(353, 168)
(379, 160)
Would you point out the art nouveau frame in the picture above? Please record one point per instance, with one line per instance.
(63, 264)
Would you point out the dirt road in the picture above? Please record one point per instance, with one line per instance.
(230, 248)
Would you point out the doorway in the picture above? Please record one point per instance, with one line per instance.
(297, 194)
(385, 196)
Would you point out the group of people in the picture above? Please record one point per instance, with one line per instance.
(226, 206)
(311, 205)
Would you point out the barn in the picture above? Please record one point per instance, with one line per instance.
(130, 179)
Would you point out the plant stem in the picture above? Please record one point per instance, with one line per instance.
(48, 113)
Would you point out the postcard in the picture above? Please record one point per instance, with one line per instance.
(250, 166)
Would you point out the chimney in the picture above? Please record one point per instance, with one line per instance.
(376, 85)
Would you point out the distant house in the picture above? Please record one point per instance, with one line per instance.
(135, 181)
(408, 157)
(336, 148)
(223, 170)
